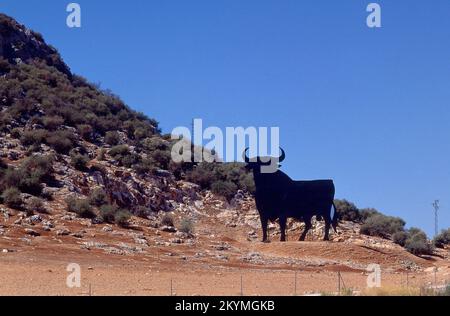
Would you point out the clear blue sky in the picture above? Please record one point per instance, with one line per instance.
(366, 107)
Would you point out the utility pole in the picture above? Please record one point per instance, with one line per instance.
(436, 223)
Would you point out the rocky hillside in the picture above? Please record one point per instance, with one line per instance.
(76, 160)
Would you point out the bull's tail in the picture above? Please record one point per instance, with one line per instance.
(335, 218)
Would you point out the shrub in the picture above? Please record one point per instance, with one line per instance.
(142, 211)
(16, 133)
(98, 197)
(366, 213)
(121, 218)
(382, 226)
(102, 154)
(35, 137)
(114, 215)
(108, 213)
(79, 161)
(36, 205)
(417, 242)
(12, 198)
(167, 220)
(52, 122)
(186, 226)
(224, 188)
(123, 155)
(81, 207)
(86, 132)
(446, 291)
(400, 238)
(112, 138)
(443, 239)
(61, 141)
(347, 211)
(30, 175)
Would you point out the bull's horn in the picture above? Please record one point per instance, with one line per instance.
(246, 158)
(283, 155)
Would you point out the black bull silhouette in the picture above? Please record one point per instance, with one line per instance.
(279, 197)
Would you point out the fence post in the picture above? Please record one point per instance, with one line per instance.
(407, 279)
(90, 289)
(339, 282)
(242, 287)
(171, 287)
(295, 284)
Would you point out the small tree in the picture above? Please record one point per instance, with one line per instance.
(167, 220)
(347, 211)
(98, 197)
(224, 188)
(81, 207)
(122, 218)
(36, 205)
(417, 242)
(186, 226)
(443, 239)
(79, 161)
(112, 138)
(12, 198)
(108, 213)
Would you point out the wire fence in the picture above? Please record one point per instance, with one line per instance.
(234, 283)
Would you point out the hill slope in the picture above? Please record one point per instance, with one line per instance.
(83, 177)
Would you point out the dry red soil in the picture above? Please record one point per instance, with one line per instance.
(37, 266)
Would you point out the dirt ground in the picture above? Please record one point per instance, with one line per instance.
(281, 269)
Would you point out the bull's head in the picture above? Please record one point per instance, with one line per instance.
(264, 164)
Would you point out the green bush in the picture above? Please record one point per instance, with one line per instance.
(224, 188)
(347, 211)
(86, 132)
(123, 155)
(52, 123)
(114, 215)
(122, 218)
(366, 213)
(81, 207)
(37, 205)
(108, 213)
(400, 238)
(186, 226)
(12, 198)
(167, 220)
(34, 137)
(417, 243)
(16, 133)
(98, 197)
(112, 138)
(79, 161)
(382, 226)
(61, 141)
(101, 154)
(142, 211)
(30, 175)
(443, 239)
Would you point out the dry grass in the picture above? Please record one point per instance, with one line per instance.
(392, 291)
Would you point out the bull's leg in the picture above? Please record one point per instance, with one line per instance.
(264, 224)
(327, 228)
(283, 228)
(307, 228)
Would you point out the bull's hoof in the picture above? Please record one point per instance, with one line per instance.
(266, 241)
